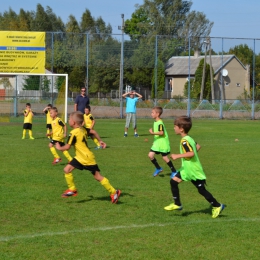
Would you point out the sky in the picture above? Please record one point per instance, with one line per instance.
(232, 18)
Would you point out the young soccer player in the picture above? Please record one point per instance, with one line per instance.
(46, 110)
(27, 122)
(89, 123)
(84, 158)
(191, 169)
(59, 131)
(161, 144)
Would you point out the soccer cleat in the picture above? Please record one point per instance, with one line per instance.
(98, 147)
(32, 138)
(23, 137)
(56, 160)
(217, 210)
(69, 193)
(125, 135)
(136, 135)
(114, 197)
(173, 206)
(173, 174)
(157, 171)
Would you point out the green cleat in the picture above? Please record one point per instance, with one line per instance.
(23, 137)
(32, 138)
(173, 206)
(217, 210)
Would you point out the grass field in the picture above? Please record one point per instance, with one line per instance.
(36, 223)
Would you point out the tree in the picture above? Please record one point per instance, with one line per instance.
(72, 25)
(137, 25)
(6, 83)
(245, 55)
(77, 78)
(9, 21)
(25, 19)
(197, 27)
(87, 23)
(196, 83)
(159, 17)
(31, 83)
(160, 81)
(41, 21)
(45, 84)
(56, 22)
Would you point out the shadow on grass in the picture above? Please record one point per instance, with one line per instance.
(144, 134)
(104, 198)
(207, 211)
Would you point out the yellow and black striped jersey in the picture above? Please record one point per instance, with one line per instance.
(57, 129)
(48, 117)
(78, 139)
(88, 120)
(29, 117)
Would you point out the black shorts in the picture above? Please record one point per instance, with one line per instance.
(163, 154)
(54, 142)
(92, 168)
(48, 126)
(196, 183)
(27, 126)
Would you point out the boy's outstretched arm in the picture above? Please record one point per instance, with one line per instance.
(184, 155)
(156, 133)
(98, 137)
(62, 148)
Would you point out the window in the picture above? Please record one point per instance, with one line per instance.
(238, 84)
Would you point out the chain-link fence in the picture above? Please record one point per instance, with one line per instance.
(201, 77)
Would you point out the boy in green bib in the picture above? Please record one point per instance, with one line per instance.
(161, 143)
(191, 169)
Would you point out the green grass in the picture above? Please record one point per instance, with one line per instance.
(36, 223)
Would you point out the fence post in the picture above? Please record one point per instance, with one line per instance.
(155, 70)
(86, 85)
(15, 97)
(188, 105)
(222, 88)
(121, 67)
(253, 99)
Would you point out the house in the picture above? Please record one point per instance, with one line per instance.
(229, 74)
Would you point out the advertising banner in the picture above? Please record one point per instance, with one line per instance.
(22, 52)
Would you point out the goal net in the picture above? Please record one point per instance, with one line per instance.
(17, 89)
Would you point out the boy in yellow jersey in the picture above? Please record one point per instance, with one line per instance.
(27, 123)
(89, 123)
(84, 158)
(59, 131)
(46, 110)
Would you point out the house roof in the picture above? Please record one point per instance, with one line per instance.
(180, 65)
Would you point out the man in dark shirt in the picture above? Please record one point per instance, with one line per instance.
(81, 101)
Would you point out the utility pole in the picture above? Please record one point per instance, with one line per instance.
(121, 66)
(203, 75)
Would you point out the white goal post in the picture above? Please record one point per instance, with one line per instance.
(15, 81)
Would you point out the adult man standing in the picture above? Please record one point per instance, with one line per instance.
(131, 110)
(81, 101)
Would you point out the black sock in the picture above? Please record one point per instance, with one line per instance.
(155, 163)
(209, 197)
(170, 164)
(175, 192)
